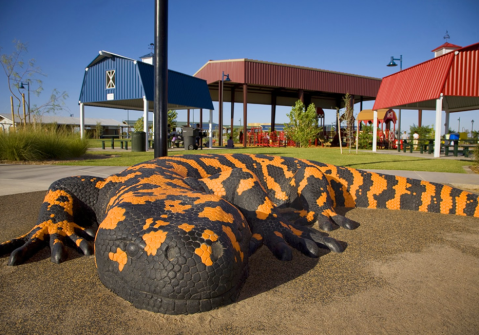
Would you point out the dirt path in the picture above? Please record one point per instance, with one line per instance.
(402, 273)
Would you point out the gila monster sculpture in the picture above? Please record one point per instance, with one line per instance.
(173, 235)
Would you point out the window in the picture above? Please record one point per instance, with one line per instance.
(110, 79)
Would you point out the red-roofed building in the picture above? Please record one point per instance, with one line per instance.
(449, 82)
(268, 83)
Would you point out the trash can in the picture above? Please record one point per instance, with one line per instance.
(138, 141)
(454, 136)
(189, 138)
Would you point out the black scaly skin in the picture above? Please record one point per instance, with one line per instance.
(175, 233)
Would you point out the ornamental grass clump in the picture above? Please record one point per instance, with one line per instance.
(41, 142)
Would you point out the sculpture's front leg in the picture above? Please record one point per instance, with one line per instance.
(66, 218)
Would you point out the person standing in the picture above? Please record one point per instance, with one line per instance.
(415, 140)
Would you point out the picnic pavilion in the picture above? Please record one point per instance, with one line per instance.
(259, 82)
(449, 82)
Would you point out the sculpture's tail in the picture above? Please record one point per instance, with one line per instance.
(357, 188)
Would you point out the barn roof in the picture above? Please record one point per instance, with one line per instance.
(135, 80)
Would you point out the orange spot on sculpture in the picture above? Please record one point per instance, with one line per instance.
(233, 240)
(244, 185)
(120, 257)
(153, 241)
(186, 227)
(264, 209)
(216, 185)
(53, 198)
(209, 235)
(216, 214)
(114, 216)
(204, 251)
(175, 206)
(116, 179)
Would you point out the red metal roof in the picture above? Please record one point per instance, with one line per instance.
(453, 74)
(268, 74)
(463, 79)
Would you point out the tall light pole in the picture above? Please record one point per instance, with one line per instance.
(21, 87)
(224, 77)
(160, 65)
(472, 127)
(459, 125)
(391, 64)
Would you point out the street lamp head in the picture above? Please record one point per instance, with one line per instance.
(227, 77)
(392, 63)
(21, 87)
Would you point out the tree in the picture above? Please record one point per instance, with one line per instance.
(424, 131)
(348, 116)
(172, 115)
(138, 125)
(18, 71)
(366, 136)
(303, 125)
(98, 129)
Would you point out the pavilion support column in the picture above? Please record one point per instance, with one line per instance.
(375, 130)
(361, 103)
(232, 109)
(145, 119)
(273, 110)
(210, 128)
(220, 116)
(437, 140)
(419, 118)
(201, 118)
(446, 124)
(82, 120)
(245, 114)
(338, 105)
(188, 118)
(153, 126)
(301, 95)
(399, 131)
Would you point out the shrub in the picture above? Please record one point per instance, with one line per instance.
(303, 124)
(37, 143)
(365, 137)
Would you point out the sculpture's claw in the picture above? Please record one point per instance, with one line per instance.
(344, 222)
(23, 253)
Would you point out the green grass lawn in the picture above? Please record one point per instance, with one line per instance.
(362, 160)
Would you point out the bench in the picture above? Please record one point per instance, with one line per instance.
(465, 149)
(123, 144)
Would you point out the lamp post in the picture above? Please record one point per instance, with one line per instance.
(22, 87)
(472, 127)
(392, 64)
(459, 125)
(224, 77)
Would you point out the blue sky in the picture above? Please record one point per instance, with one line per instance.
(356, 37)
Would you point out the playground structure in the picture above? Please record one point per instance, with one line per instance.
(386, 118)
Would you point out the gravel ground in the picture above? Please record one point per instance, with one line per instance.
(402, 273)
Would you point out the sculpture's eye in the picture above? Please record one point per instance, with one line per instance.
(132, 249)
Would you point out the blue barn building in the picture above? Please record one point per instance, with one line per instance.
(115, 81)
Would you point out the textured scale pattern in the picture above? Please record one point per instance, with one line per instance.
(174, 234)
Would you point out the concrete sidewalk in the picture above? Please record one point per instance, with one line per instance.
(15, 178)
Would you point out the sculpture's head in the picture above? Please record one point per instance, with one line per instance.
(175, 255)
